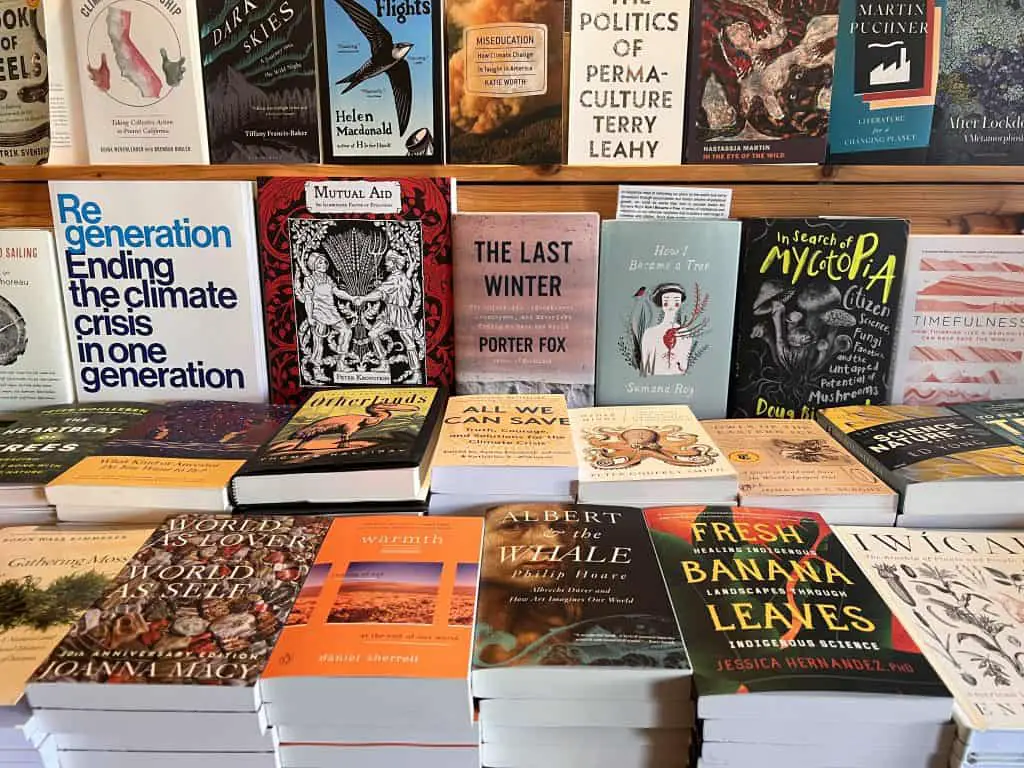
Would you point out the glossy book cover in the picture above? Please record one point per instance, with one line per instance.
(774, 603)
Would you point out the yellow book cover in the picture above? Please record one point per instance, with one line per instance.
(791, 457)
(507, 431)
(644, 442)
(48, 578)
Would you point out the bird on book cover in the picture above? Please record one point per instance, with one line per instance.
(342, 429)
(386, 56)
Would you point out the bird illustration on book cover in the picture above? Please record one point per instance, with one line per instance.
(658, 339)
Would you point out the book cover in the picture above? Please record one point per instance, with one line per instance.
(906, 444)
(791, 457)
(886, 73)
(526, 284)
(45, 442)
(381, 73)
(364, 428)
(202, 602)
(816, 312)
(48, 577)
(141, 81)
(627, 91)
(67, 124)
(958, 595)
(1004, 417)
(476, 431)
(977, 117)
(665, 313)
(357, 282)
(961, 337)
(761, 80)
(149, 269)
(505, 83)
(35, 363)
(259, 72)
(644, 442)
(388, 596)
(774, 603)
(189, 444)
(24, 108)
(566, 585)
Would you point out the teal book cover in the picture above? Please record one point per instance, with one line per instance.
(666, 298)
(1004, 417)
(886, 75)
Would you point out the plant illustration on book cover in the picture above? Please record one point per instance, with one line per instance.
(815, 314)
(761, 80)
(568, 585)
(24, 99)
(202, 602)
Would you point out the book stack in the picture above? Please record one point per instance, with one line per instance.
(495, 449)
(357, 450)
(645, 455)
(372, 667)
(175, 645)
(795, 464)
(45, 442)
(797, 659)
(958, 595)
(577, 656)
(177, 459)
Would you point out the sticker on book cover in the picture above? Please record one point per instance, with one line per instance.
(354, 197)
(358, 299)
(506, 59)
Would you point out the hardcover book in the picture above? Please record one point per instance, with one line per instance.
(816, 312)
(141, 81)
(49, 576)
(357, 282)
(381, 70)
(775, 604)
(505, 85)
(201, 603)
(259, 72)
(761, 81)
(665, 313)
(960, 336)
(887, 69)
(526, 284)
(161, 289)
(35, 363)
(640, 119)
(67, 124)
(564, 586)
(24, 109)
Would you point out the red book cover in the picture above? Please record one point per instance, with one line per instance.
(357, 282)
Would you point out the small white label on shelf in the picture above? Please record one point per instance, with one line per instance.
(354, 196)
(639, 202)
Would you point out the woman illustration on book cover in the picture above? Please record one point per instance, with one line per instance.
(669, 347)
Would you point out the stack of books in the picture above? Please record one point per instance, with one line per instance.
(577, 656)
(372, 667)
(174, 645)
(796, 464)
(646, 455)
(178, 459)
(797, 659)
(495, 449)
(356, 450)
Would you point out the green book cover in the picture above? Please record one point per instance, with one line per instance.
(1004, 417)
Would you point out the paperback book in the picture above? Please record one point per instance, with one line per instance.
(526, 284)
(67, 125)
(24, 108)
(1003, 417)
(357, 282)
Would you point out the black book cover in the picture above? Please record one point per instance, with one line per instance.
(259, 70)
(816, 314)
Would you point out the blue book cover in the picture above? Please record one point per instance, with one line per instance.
(380, 77)
(886, 75)
(666, 297)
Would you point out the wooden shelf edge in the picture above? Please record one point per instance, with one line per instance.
(496, 174)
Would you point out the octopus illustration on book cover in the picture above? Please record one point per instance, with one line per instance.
(621, 448)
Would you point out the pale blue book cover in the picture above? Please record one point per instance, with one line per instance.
(666, 298)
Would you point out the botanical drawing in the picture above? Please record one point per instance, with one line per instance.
(658, 339)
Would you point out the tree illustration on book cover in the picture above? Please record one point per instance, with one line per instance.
(658, 338)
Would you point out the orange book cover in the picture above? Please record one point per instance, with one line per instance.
(388, 596)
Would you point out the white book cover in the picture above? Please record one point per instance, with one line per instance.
(161, 289)
(141, 81)
(35, 369)
(961, 333)
(67, 129)
(627, 82)
(24, 113)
